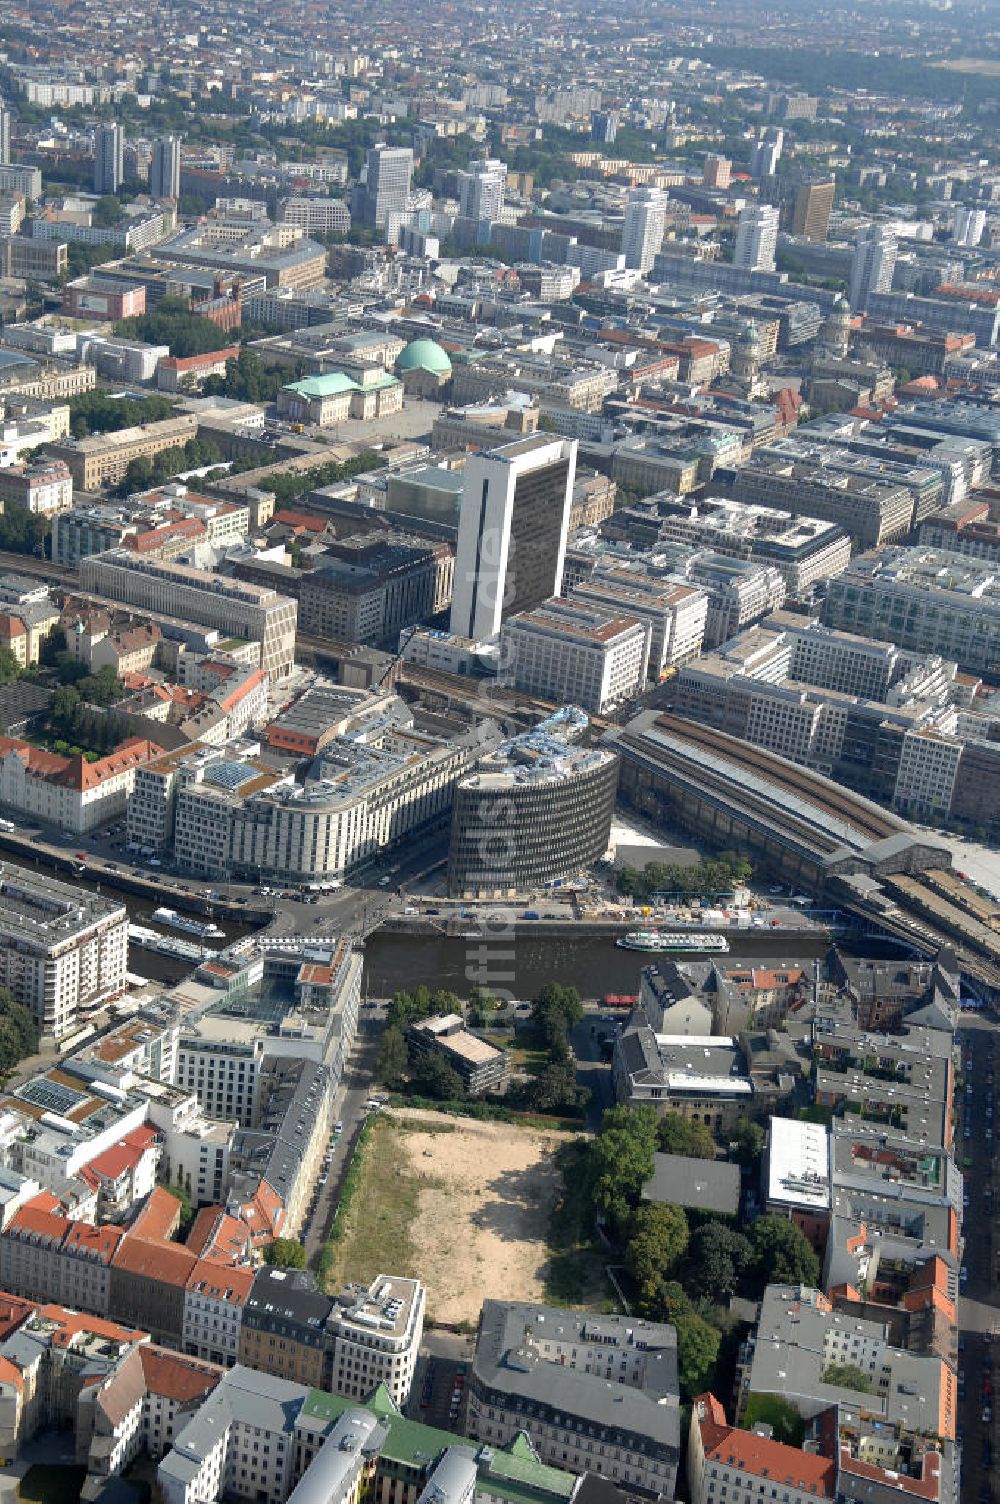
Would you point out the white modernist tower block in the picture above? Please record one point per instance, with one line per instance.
(511, 532)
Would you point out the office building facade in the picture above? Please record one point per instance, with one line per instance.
(109, 158)
(390, 170)
(512, 530)
(811, 209)
(642, 235)
(537, 809)
(756, 238)
(872, 266)
(165, 168)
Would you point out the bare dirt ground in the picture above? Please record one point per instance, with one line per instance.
(471, 1206)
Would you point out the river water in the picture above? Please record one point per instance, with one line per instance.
(591, 963)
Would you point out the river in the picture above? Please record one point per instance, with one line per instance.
(591, 963)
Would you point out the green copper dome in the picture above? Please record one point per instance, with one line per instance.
(424, 355)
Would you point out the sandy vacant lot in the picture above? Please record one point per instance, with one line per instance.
(476, 1203)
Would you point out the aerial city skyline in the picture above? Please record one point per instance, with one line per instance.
(499, 752)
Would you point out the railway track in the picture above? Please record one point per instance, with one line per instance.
(830, 799)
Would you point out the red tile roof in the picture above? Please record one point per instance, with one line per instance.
(177, 1378)
(168, 1263)
(221, 1282)
(98, 1243)
(758, 1456)
(219, 1236)
(158, 1217)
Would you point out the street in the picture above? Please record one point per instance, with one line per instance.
(349, 1108)
(978, 1315)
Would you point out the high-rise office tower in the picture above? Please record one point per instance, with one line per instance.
(4, 133)
(642, 235)
(812, 208)
(968, 225)
(873, 265)
(109, 158)
(165, 168)
(757, 238)
(603, 127)
(511, 531)
(766, 152)
(481, 189)
(390, 169)
(718, 172)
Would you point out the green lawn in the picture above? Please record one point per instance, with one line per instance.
(376, 1234)
(46, 1483)
(526, 1051)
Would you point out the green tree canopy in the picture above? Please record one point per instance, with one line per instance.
(678, 1135)
(554, 1012)
(718, 1256)
(18, 1032)
(778, 1413)
(393, 1059)
(172, 323)
(432, 1076)
(97, 412)
(622, 1160)
(783, 1254)
(847, 1376)
(285, 1253)
(697, 1354)
(749, 1142)
(713, 876)
(657, 1243)
(10, 667)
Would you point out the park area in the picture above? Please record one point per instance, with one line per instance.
(467, 1206)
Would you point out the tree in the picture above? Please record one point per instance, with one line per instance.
(285, 1253)
(554, 1012)
(432, 1076)
(622, 1160)
(783, 1255)
(182, 1193)
(749, 1143)
(554, 1089)
(22, 532)
(847, 1376)
(658, 1242)
(10, 666)
(780, 1414)
(103, 688)
(717, 1256)
(697, 1354)
(97, 412)
(18, 1032)
(481, 1006)
(173, 323)
(64, 704)
(393, 1059)
(406, 1008)
(676, 1135)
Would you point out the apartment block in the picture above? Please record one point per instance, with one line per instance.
(104, 458)
(63, 952)
(42, 488)
(926, 600)
(546, 1372)
(239, 609)
(575, 653)
(676, 612)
